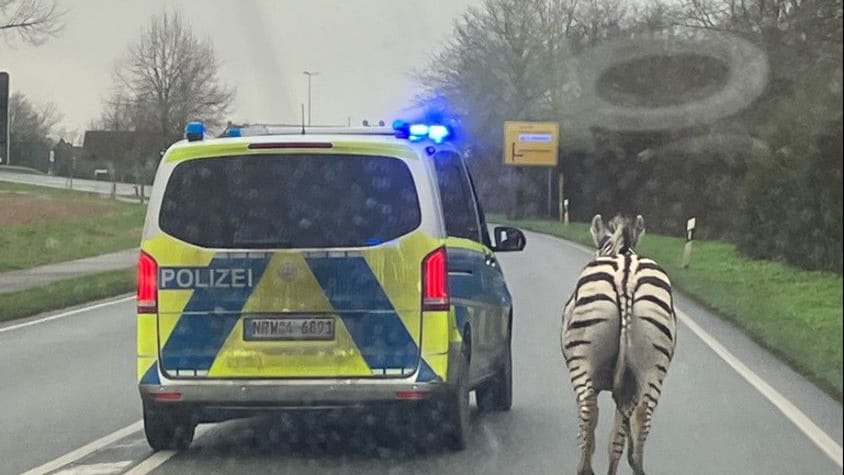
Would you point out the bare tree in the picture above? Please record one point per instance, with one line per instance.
(124, 112)
(506, 58)
(169, 77)
(598, 20)
(27, 118)
(815, 18)
(30, 129)
(29, 21)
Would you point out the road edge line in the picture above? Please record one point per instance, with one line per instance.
(817, 435)
(821, 439)
(85, 450)
(17, 326)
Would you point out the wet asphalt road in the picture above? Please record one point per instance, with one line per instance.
(72, 381)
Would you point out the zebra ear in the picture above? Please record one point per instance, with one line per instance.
(640, 225)
(598, 230)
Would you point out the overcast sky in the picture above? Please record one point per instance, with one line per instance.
(364, 51)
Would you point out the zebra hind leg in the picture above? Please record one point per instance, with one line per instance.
(640, 425)
(588, 413)
(619, 434)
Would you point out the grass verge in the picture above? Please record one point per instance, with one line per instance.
(65, 293)
(43, 225)
(794, 313)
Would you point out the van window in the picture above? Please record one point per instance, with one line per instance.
(461, 219)
(481, 217)
(290, 201)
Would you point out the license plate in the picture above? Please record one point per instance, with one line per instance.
(288, 328)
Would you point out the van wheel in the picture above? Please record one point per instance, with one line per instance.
(168, 428)
(457, 408)
(497, 394)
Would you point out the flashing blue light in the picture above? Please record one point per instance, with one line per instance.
(418, 130)
(195, 131)
(438, 133)
(234, 132)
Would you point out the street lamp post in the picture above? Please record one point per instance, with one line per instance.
(310, 74)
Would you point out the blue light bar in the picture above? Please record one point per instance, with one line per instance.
(437, 133)
(195, 131)
(234, 132)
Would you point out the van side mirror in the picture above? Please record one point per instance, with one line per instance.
(508, 239)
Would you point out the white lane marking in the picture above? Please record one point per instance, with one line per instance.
(64, 314)
(86, 450)
(110, 468)
(820, 438)
(158, 458)
(152, 462)
(789, 410)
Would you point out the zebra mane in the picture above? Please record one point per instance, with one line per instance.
(618, 237)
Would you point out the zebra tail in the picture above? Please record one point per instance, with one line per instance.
(625, 384)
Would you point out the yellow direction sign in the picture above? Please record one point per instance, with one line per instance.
(531, 143)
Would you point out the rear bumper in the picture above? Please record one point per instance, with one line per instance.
(288, 393)
(260, 395)
(217, 401)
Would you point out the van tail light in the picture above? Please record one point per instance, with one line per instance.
(147, 284)
(412, 395)
(435, 281)
(167, 396)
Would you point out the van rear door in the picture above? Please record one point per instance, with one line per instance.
(289, 265)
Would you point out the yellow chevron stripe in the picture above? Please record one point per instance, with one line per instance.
(288, 359)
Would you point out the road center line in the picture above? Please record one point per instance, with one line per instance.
(85, 450)
(64, 314)
(820, 438)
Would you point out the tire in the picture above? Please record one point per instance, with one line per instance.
(497, 394)
(168, 428)
(457, 408)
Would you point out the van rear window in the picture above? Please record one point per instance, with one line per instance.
(290, 201)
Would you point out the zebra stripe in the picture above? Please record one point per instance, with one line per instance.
(586, 323)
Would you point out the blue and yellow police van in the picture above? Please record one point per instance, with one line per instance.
(319, 268)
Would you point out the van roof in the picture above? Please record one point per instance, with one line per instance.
(371, 140)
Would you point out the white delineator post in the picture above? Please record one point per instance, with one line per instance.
(687, 250)
(566, 212)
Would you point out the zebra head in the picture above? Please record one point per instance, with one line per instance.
(620, 235)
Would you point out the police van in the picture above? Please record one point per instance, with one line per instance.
(319, 268)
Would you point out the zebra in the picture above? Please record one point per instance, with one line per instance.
(618, 335)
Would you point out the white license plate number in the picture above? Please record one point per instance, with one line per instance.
(275, 329)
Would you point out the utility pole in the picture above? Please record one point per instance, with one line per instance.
(310, 74)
